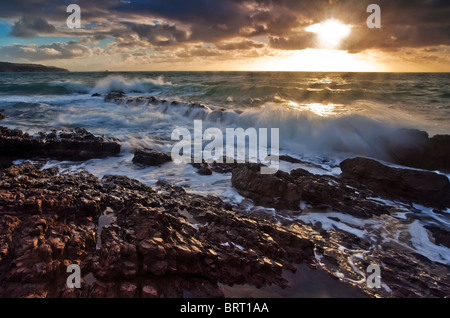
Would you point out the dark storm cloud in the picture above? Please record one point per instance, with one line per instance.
(29, 27)
(405, 23)
(159, 34)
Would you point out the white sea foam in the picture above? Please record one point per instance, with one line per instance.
(120, 83)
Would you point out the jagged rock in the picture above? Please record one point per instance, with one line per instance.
(361, 179)
(2, 116)
(285, 191)
(166, 242)
(277, 190)
(48, 221)
(205, 168)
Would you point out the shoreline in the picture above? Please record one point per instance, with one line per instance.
(213, 242)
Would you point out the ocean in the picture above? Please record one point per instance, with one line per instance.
(323, 118)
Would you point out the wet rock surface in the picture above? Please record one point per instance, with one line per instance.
(163, 241)
(284, 190)
(150, 157)
(361, 180)
(166, 242)
(49, 220)
(121, 98)
(414, 148)
(403, 184)
(73, 145)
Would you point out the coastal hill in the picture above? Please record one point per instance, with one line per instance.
(15, 67)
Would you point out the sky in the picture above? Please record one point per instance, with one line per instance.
(229, 35)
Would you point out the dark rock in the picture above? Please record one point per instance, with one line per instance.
(203, 169)
(48, 221)
(276, 190)
(413, 185)
(114, 96)
(2, 116)
(96, 95)
(285, 191)
(128, 290)
(166, 242)
(150, 157)
(74, 145)
(414, 148)
(226, 166)
(441, 236)
(290, 159)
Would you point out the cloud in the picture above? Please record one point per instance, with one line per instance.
(225, 25)
(33, 52)
(30, 27)
(159, 34)
(242, 45)
(299, 41)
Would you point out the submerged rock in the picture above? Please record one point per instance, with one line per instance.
(150, 157)
(114, 96)
(203, 169)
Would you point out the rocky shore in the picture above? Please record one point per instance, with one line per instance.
(133, 240)
(158, 245)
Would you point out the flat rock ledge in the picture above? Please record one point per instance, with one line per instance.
(72, 145)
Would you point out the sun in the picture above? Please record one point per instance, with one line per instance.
(330, 33)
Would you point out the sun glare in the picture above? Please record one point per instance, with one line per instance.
(317, 60)
(323, 110)
(330, 33)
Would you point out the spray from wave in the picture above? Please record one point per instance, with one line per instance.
(120, 83)
(302, 130)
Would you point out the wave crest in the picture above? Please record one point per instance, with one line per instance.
(120, 83)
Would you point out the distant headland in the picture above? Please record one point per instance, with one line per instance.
(16, 67)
